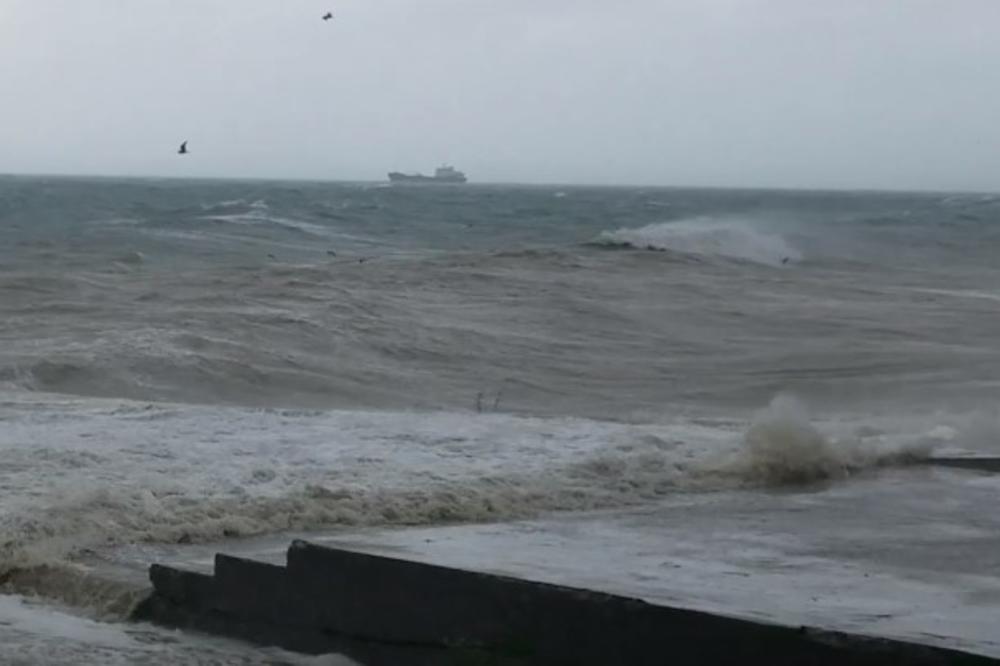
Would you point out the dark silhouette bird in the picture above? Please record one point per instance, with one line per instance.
(327, 16)
(183, 150)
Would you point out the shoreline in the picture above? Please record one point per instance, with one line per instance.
(864, 559)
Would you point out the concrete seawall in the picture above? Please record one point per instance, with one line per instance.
(989, 464)
(380, 610)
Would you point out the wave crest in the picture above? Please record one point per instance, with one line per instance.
(115, 473)
(735, 239)
(782, 447)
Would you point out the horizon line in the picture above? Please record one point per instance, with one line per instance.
(501, 183)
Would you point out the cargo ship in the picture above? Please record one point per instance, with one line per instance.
(443, 174)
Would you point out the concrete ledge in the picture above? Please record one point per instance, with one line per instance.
(382, 610)
(265, 599)
(186, 589)
(978, 463)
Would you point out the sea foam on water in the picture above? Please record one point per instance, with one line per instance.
(733, 239)
(781, 447)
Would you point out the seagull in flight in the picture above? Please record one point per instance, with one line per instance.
(183, 150)
(327, 16)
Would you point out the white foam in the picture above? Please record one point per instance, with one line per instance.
(228, 203)
(958, 293)
(34, 634)
(258, 216)
(81, 474)
(783, 446)
(735, 239)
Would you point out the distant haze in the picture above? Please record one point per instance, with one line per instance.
(901, 94)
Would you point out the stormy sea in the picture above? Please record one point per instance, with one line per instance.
(192, 362)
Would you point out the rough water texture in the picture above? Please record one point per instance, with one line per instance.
(186, 361)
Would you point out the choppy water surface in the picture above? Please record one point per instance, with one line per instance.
(200, 360)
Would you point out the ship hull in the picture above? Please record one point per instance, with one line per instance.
(407, 179)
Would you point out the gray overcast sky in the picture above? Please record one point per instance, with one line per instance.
(825, 93)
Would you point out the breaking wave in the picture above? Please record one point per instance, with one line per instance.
(239, 212)
(782, 447)
(707, 237)
(162, 474)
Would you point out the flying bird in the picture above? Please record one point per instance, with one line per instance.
(183, 150)
(327, 16)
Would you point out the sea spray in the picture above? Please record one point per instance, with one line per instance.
(782, 446)
(733, 239)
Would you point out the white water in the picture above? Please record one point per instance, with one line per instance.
(782, 446)
(734, 239)
(82, 474)
(31, 635)
(478, 289)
